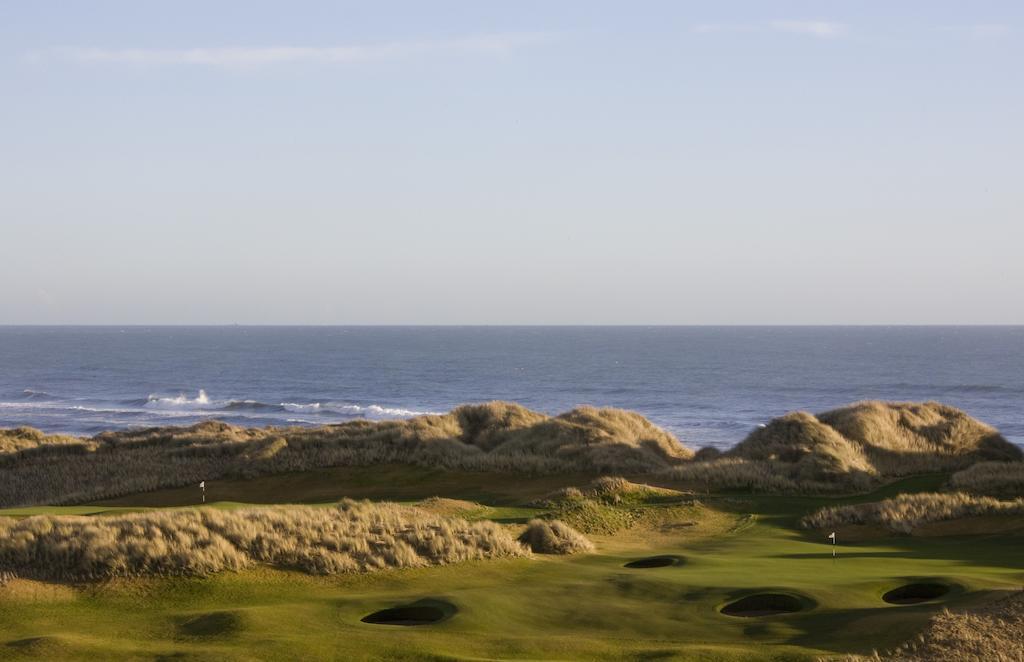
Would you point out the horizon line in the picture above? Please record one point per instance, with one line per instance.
(523, 326)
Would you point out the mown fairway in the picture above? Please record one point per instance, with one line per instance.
(586, 606)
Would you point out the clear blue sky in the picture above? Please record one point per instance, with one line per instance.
(511, 162)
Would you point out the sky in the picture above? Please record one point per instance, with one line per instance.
(527, 162)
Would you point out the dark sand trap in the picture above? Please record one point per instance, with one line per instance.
(911, 594)
(213, 624)
(423, 612)
(763, 604)
(656, 562)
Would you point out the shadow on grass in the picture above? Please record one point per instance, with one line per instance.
(847, 555)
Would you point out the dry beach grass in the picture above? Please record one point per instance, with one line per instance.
(844, 450)
(906, 512)
(349, 537)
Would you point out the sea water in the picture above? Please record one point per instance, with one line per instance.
(708, 385)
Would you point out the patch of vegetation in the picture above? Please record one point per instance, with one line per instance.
(906, 512)
(554, 537)
(856, 446)
(997, 479)
(610, 504)
(989, 633)
(351, 537)
(846, 450)
(496, 436)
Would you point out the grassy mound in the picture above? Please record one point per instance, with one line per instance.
(554, 537)
(612, 490)
(906, 512)
(848, 449)
(857, 445)
(610, 504)
(990, 633)
(998, 479)
(351, 537)
(496, 436)
(25, 439)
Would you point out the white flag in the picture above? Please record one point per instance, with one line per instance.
(832, 536)
(202, 485)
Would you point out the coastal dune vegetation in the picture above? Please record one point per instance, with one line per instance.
(855, 446)
(998, 479)
(352, 536)
(906, 512)
(554, 537)
(990, 633)
(844, 450)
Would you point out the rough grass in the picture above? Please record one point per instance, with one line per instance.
(354, 536)
(992, 633)
(609, 504)
(611, 489)
(491, 437)
(21, 439)
(554, 537)
(856, 446)
(999, 479)
(846, 450)
(906, 512)
(766, 476)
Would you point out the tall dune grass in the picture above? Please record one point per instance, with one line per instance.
(999, 479)
(350, 537)
(860, 444)
(991, 634)
(496, 436)
(907, 512)
(554, 537)
(844, 450)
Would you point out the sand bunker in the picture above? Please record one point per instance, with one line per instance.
(423, 612)
(656, 562)
(763, 604)
(911, 594)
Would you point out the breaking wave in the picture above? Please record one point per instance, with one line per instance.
(201, 401)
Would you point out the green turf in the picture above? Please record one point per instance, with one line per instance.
(584, 607)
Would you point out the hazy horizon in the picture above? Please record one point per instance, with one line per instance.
(578, 163)
(569, 325)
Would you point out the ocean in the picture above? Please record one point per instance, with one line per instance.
(708, 385)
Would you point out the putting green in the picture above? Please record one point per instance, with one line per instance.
(587, 606)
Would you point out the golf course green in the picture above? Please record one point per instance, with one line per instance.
(716, 550)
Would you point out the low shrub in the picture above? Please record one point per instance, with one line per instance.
(554, 537)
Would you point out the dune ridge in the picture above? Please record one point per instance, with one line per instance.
(847, 449)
